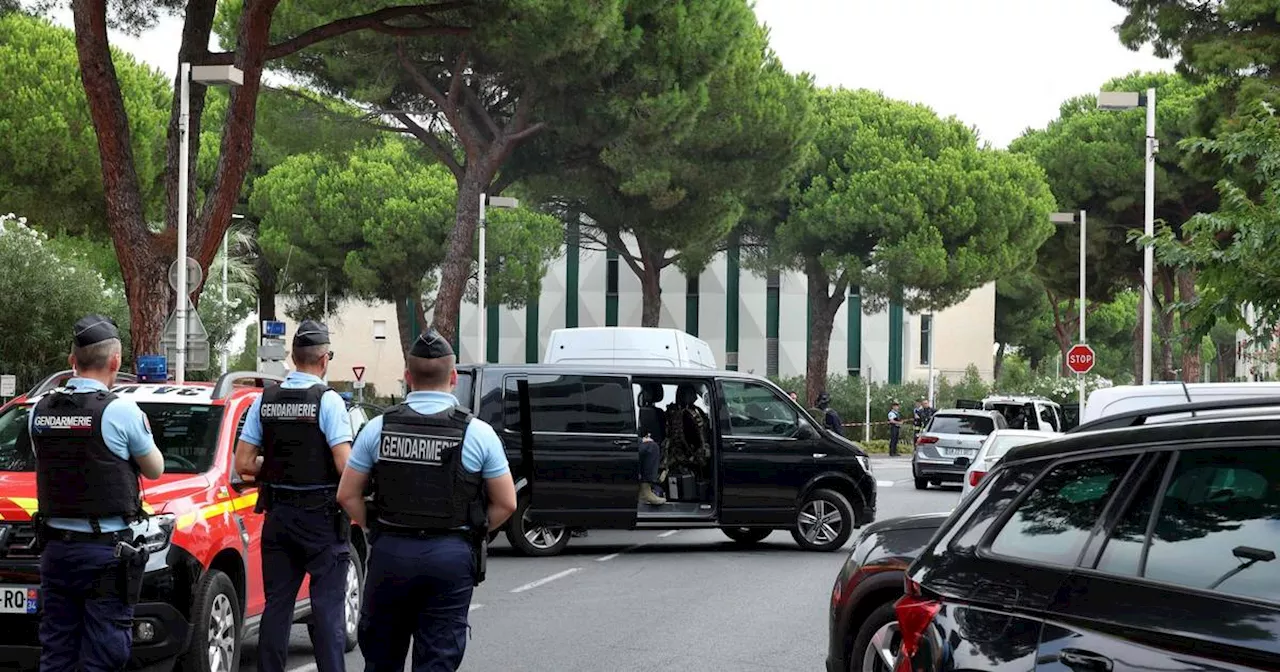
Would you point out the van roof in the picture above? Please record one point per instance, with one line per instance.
(657, 371)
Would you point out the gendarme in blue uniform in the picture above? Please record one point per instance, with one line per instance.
(296, 425)
(422, 564)
(86, 441)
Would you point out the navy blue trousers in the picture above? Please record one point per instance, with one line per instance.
(419, 590)
(79, 629)
(297, 542)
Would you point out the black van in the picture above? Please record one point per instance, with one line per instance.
(572, 438)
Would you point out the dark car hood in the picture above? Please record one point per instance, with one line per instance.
(915, 522)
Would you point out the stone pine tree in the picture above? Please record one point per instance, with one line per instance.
(677, 179)
(144, 244)
(906, 206)
(374, 225)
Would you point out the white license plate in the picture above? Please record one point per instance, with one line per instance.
(957, 452)
(19, 599)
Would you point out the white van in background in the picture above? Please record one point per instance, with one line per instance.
(1124, 398)
(628, 346)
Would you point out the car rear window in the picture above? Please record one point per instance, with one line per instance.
(961, 424)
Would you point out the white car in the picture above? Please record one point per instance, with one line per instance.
(997, 444)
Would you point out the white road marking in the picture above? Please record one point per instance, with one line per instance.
(607, 558)
(664, 535)
(885, 484)
(474, 607)
(309, 667)
(547, 579)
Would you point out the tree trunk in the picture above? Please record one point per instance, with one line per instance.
(266, 288)
(650, 287)
(1191, 364)
(824, 304)
(457, 264)
(1164, 324)
(998, 368)
(146, 273)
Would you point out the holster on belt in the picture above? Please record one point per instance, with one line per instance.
(124, 578)
(341, 523)
(42, 535)
(264, 498)
(480, 553)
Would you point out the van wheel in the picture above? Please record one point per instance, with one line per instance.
(922, 484)
(215, 627)
(535, 539)
(825, 521)
(747, 535)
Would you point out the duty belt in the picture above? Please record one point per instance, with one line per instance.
(305, 498)
(413, 533)
(103, 538)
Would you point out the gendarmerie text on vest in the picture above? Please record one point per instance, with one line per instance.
(414, 448)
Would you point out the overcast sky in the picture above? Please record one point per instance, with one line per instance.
(1000, 65)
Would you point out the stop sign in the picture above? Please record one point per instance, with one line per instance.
(1080, 358)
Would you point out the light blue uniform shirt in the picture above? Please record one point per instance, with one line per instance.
(127, 434)
(482, 450)
(334, 420)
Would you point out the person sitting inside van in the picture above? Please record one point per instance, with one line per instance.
(653, 432)
(688, 437)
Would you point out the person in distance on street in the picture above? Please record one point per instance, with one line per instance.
(830, 418)
(895, 428)
(301, 430)
(440, 483)
(90, 447)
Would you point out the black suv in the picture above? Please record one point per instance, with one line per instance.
(573, 433)
(1128, 544)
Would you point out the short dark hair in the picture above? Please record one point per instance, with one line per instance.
(430, 373)
(95, 357)
(310, 355)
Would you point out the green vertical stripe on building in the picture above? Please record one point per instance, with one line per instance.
(895, 342)
(732, 299)
(611, 288)
(855, 331)
(532, 331)
(572, 258)
(772, 308)
(491, 329)
(691, 298)
(457, 337)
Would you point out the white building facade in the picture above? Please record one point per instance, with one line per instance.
(737, 312)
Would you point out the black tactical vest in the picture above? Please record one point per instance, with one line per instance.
(77, 475)
(294, 448)
(419, 480)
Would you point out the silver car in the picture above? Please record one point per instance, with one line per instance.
(950, 443)
(997, 444)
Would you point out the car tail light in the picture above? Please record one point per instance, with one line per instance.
(915, 613)
(975, 477)
(926, 439)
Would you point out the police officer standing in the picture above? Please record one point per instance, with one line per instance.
(441, 482)
(301, 430)
(90, 447)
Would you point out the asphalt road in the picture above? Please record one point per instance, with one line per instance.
(658, 600)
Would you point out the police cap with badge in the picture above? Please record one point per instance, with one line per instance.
(93, 329)
(431, 345)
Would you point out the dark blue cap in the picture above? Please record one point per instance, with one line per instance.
(93, 329)
(431, 345)
(310, 333)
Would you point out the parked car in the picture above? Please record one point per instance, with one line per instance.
(1023, 412)
(949, 443)
(863, 627)
(202, 592)
(573, 432)
(1152, 546)
(628, 346)
(1128, 398)
(997, 444)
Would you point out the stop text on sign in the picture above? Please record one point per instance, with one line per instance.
(1080, 358)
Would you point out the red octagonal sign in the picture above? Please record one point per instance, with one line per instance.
(1080, 358)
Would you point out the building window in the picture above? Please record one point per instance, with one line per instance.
(379, 330)
(926, 325)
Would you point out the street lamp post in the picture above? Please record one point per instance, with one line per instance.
(496, 202)
(209, 75)
(1128, 100)
(1072, 218)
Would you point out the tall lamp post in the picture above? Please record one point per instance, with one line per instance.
(209, 75)
(494, 202)
(1128, 100)
(1072, 218)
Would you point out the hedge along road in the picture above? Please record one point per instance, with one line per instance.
(640, 600)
